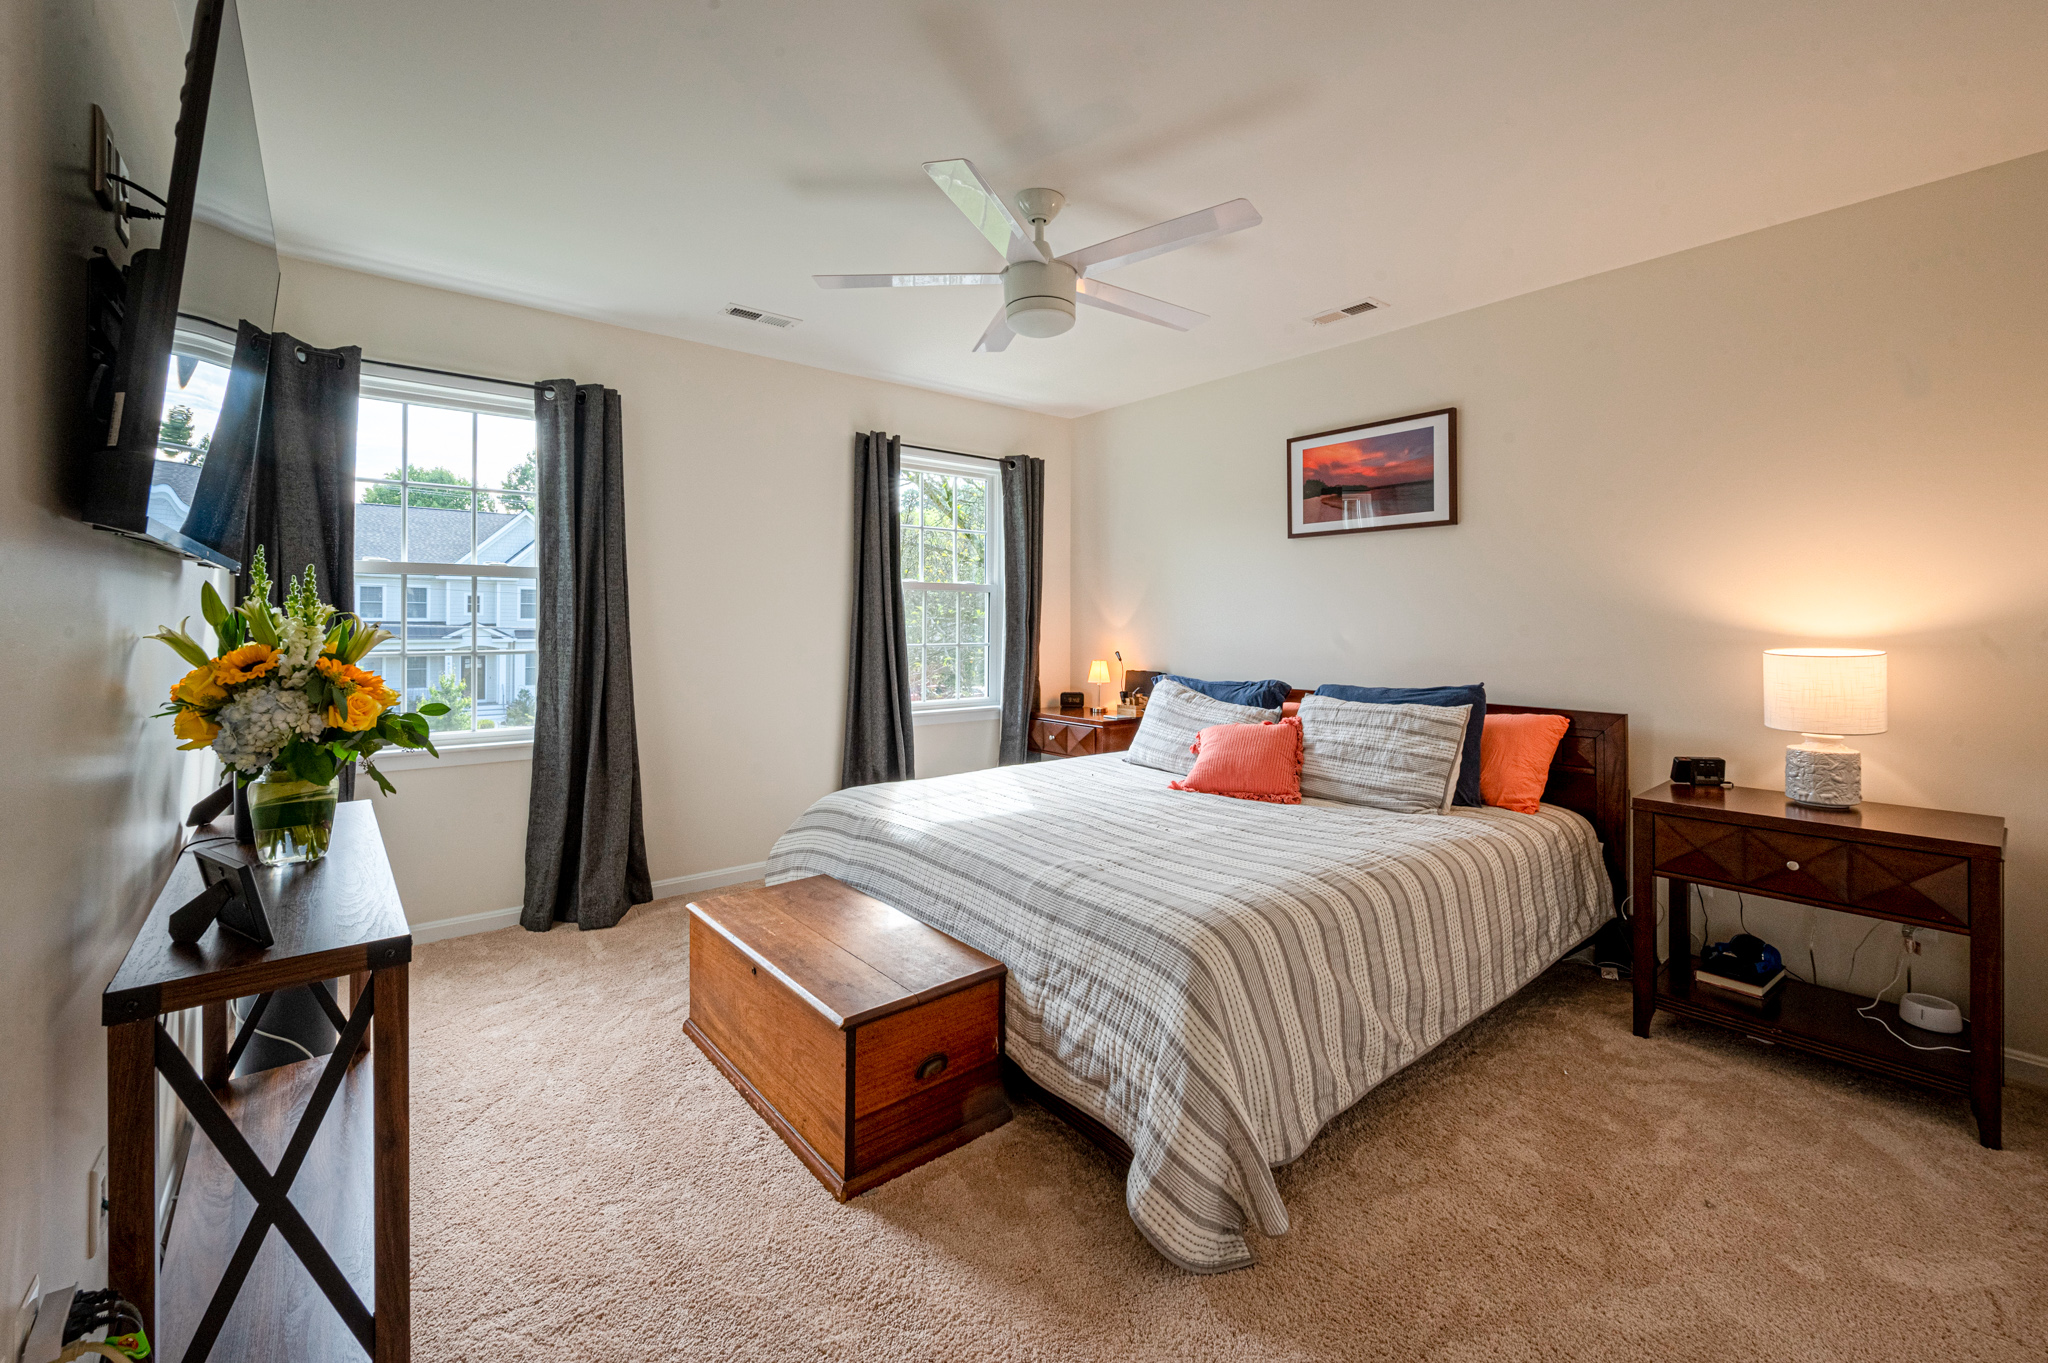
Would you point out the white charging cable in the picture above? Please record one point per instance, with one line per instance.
(1865, 1012)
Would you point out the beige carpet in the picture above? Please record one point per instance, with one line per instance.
(1545, 1186)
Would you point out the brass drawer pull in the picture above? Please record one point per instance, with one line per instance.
(932, 1068)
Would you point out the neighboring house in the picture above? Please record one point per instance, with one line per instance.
(479, 629)
(171, 485)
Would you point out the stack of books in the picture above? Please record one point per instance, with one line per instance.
(1740, 989)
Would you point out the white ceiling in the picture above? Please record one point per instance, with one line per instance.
(647, 163)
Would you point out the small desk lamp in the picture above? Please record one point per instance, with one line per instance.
(1822, 694)
(1098, 676)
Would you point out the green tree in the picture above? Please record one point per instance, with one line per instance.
(523, 479)
(519, 710)
(454, 499)
(177, 427)
(450, 691)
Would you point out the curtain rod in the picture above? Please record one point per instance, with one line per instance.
(959, 454)
(450, 373)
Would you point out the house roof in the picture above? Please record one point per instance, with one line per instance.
(440, 535)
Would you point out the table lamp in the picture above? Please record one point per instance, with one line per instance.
(1098, 676)
(1822, 694)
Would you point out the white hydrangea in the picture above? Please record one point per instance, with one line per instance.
(256, 725)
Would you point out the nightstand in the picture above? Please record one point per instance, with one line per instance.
(1071, 733)
(1919, 867)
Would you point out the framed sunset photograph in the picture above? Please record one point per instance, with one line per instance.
(1385, 475)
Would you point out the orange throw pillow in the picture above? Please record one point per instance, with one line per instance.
(1514, 758)
(1248, 762)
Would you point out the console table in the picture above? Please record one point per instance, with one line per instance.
(337, 918)
(1928, 868)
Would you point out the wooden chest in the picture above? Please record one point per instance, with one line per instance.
(870, 1042)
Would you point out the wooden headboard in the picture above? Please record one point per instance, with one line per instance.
(1589, 776)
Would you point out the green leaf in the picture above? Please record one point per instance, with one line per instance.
(211, 606)
(378, 776)
(433, 707)
(183, 644)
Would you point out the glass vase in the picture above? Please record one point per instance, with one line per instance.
(292, 819)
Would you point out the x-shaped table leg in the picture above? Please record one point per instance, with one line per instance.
(272, 1191)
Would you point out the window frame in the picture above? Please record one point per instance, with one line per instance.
(923, 459)
(401, 384)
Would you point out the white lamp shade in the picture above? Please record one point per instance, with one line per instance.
(1825, 690)
(1098, 672)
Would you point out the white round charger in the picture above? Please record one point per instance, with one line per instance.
(1930, 1014)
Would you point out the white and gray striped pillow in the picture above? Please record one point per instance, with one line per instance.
(1173, 717)
(1402, 758)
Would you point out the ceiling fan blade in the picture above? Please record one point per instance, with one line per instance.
(900, 281)
(998, 336)
(1110, 298)
(984, 208)
(1161, 237)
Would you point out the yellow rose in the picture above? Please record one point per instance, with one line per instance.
(196, 729)
(363, 710)
(199, 688)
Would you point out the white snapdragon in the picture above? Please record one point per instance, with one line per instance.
(299, 644)
(256, 725)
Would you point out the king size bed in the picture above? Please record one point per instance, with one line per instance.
(1201, 983)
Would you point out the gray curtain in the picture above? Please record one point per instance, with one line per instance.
(290, 483)
(586, 850)
(879, 746)
(1023, 587)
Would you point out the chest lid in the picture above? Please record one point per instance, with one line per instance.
(852, 957)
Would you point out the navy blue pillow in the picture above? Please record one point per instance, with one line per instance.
(1266, 695)
(1474, 696)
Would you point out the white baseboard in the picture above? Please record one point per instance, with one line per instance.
(440, 929)
(709, 880)
(2024, 1067)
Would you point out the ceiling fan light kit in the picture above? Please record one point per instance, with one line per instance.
(1040, 290)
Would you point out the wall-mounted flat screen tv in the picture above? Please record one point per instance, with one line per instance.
(178, 406)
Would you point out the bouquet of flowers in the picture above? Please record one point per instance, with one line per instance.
(284, 698)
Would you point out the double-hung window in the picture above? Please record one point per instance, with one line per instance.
(445, 523)
(950, 512)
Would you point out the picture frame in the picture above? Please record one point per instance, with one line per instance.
(1400, 473)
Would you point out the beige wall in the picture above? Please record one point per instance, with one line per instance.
(739, 482)
(93, 788)
(1834, 430)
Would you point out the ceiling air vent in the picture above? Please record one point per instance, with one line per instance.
(767, 319)
(1363, 306)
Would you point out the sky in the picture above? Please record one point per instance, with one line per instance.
(1374, 462)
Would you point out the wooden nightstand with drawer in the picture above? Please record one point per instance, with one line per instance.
(1072, 733)
(1918, 867)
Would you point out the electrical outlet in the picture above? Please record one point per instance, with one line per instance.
(96, 1205)
(1911, 937)
(106, 162)
(25, 1318)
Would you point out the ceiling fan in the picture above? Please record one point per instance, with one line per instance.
(1040, 289)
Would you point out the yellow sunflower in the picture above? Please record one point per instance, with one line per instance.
(246, 663)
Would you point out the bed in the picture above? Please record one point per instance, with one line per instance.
(1202, 983)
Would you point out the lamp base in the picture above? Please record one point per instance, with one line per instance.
(1823, 774)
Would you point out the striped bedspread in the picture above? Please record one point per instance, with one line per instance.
(1213, 979)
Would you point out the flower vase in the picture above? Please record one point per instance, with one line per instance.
(292, 819)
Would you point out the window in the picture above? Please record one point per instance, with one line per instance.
(529, 603)
(952, 578)
(445, 516)
(370, 602)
